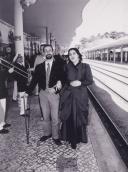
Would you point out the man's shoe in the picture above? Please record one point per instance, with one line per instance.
(73, 146)
(43, 138)
(57, 142)
(13, 100)
(4, 131)
(7, 125)
(24, 115)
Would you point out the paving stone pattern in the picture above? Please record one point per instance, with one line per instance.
(18, 156)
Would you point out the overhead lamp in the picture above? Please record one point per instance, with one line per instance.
(27, 3)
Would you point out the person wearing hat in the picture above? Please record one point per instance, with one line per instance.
(21, 79)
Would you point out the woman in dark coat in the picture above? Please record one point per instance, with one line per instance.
(74, 99)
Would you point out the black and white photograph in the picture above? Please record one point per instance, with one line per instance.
(63, 85)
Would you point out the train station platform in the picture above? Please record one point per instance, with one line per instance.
(98, 155)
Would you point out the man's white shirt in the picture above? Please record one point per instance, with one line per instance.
(50, 63)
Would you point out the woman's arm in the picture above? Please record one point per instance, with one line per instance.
(89, 77)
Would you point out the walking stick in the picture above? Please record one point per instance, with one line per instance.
(40, 108)
(27, 118)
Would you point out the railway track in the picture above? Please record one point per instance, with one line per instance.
(112, 80)
(109, 87)
(118, 139)
(114, 75)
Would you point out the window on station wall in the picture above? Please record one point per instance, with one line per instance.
(1, 50)
(0, 43)
(11, 44)
(0, 37)
(11, 37)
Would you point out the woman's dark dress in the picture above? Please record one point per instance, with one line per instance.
(74, 103)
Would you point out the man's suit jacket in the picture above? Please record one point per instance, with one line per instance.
(39, 76)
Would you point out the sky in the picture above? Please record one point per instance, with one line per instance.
(61, 16)
(70, 20)
(100, 16)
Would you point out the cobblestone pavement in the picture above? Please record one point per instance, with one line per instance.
(18, 156)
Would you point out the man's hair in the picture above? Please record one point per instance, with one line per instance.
(46, 45)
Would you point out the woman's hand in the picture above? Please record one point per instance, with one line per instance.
(75, 83)
(58, 85)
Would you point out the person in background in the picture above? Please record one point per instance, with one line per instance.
(15, 91)
(73, 109)
(21, 82)
(39, 59)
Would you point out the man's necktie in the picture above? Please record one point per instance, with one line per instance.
(47, 75)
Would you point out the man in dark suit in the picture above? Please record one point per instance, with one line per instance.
(50, 77)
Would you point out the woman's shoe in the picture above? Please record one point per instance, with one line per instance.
(73, 146)
(7, 125)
